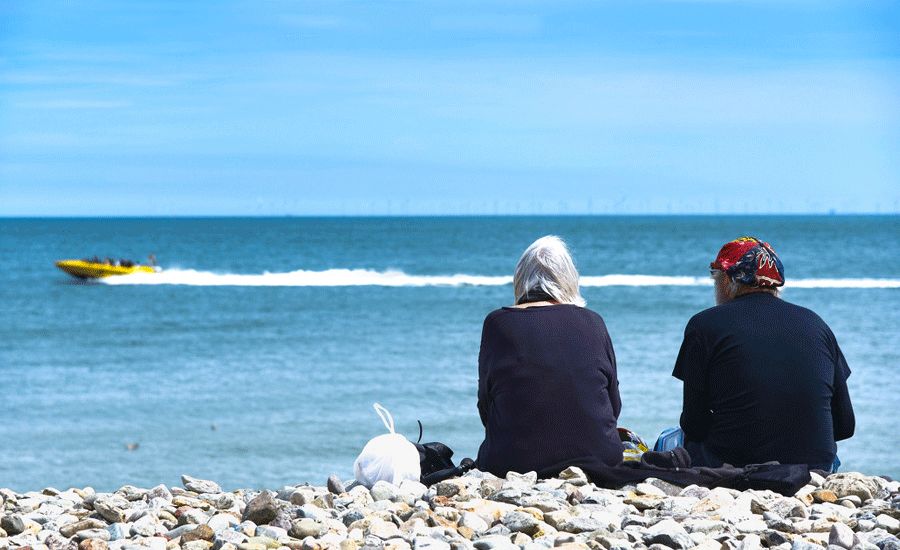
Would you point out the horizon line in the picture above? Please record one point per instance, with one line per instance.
(446, 215)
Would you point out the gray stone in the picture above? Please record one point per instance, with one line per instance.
(583, 524)
(222, 521)
(800, 544)
(160, 491)
(840, 535)
(118, 531)
(382, 490)
(887, 523)
(101, 534)
(750, 542)
(147, 526)
(276, 533)
(112, 507)
(494, 542)
(13, 524)
(574, 476)
(520, 522)
(851, 483)
(228, 536)
(200, 485)
(262, 509)
(335, 485)
(307, 527)
(429, 543)
(669, 533)
(474, 522)
(649, 490)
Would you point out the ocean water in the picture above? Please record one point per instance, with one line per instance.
(255, 357)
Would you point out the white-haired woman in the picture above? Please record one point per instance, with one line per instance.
(548, 394)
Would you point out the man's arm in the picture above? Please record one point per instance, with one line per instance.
(691, 368)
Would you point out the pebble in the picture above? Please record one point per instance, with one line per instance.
(847, 511)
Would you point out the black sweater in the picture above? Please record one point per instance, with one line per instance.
(548, 394)
(764, 380)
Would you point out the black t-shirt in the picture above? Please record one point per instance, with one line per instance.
(548, 394)
(764, 380)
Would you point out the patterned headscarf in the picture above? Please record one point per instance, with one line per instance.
(750, 261)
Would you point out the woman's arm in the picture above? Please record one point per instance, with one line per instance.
(484, 358)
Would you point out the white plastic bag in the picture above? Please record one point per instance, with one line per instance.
(389, 457)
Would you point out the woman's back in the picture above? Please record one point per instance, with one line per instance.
(548, 393)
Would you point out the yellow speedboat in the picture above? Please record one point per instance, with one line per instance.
(87, 269)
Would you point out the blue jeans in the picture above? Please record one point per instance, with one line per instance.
(701, 455)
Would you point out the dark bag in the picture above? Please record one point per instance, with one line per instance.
(436, 461)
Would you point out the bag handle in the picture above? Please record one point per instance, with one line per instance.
(385, 416)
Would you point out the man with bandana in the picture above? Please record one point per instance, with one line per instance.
(764, 379)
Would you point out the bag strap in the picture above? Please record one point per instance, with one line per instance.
(385, 416)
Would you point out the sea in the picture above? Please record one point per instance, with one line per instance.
(255, 357)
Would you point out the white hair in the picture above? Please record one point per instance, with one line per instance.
(547, 266)
(731, 288)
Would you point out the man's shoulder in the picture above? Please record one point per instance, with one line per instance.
(717, 315)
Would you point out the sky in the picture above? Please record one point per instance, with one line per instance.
(255, 107)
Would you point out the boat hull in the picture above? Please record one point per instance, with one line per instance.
(91, 270)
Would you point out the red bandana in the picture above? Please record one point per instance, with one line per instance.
(750, 261)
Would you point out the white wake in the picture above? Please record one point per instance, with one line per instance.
(367, 277)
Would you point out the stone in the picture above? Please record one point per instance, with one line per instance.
(840, 535)
(851, 483)
(200, 485)
(200, 532)
(72, 528)
(750, 542)
(574, 476)
(272, 532)
(824, 495)
(13, 524)
(520, 522)
(494, 542)
(886, 522)
(383, 529)
(262, 509)
(335, 485)
(160, 491)
(382, 490)
(669, 533)
(147, 526)
(118, 531)
(800, 544)
(93, 544)
(429, 543)
(222, 521)
(529, 478)
(228, 536)
(112, 507)
(582, 524)
(101, 534)
(411, 491)
(694, 491)
(648, 489)
(815, 479)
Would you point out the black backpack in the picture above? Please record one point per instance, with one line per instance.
(436, 461)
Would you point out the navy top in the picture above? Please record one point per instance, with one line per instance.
(548, 394)
(764, 380)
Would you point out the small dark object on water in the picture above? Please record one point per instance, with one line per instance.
(213, 427)
(132, 446)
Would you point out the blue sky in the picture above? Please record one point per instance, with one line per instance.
(275, 107)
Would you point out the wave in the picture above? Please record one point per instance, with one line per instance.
(367, 277)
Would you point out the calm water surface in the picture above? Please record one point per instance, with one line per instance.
(257, 385)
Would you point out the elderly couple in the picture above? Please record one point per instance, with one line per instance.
(764, 379)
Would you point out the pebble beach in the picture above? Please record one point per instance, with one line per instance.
(848, 511)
